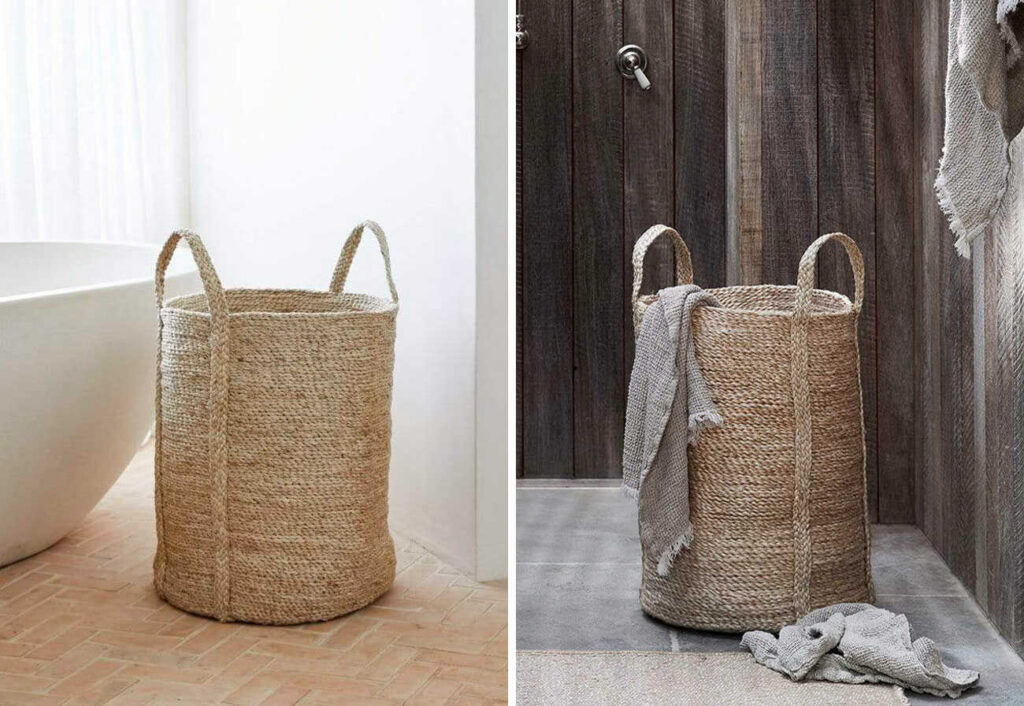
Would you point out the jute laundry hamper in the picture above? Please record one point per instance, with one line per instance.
(272, 446)
(778, 494)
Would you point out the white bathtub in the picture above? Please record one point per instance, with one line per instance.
(77, 372)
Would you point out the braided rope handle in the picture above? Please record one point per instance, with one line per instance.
(808, 267)
(217, 304)
(803, 448)
(348, 252)
(683, 263)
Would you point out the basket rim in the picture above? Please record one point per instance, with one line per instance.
(841, 299)
(389, 307)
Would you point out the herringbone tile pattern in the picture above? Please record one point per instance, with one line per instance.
(81, 624)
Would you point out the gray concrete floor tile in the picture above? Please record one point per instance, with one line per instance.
(578, 578)
(576, 525)
(903, 562)
(583, 607)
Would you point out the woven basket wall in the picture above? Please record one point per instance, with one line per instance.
(272, 446)
(778, 495)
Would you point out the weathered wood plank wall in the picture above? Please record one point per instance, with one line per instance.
(546, 263)
(600, 162)
(895, 192)
(757, 135)
(969, 346)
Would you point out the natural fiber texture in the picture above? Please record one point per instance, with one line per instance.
(984, 112)
(676, 679)
(778, 495)
(856, 643)
(668, 406)
(272, 446)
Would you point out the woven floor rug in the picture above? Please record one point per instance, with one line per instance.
(676, 679)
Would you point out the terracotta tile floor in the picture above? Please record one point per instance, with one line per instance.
(81, 624)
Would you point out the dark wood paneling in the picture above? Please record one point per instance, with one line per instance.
(547, 385)
(520, 251)
(789, 136)
(846, 179)
(970, 379)
(895, 189)
(599, 383)
(931, 231)
(700, 135)
(947, 473)
(996, 518)
(647, 132)
(957, 393)
(1011, 489)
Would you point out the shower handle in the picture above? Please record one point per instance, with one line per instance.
(631, 62)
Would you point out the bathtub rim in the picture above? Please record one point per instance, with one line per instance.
(182, 267)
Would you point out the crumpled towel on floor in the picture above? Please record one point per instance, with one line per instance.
(857, 643)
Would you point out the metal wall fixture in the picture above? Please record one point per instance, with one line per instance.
(631, 62)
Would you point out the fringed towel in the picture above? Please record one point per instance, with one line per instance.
(856, 643)
(984, 112)
(668, 405)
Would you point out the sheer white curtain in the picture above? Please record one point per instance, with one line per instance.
(93, 119)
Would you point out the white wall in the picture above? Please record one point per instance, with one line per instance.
(309, 116)
(492, 164)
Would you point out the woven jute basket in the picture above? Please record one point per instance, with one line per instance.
(273, 434)
(778, 495)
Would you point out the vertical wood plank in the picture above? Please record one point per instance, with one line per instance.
(647, 151)
(547, 384)
(1003, 517)
(846, 178)
(957, 535)
(700, 117)
(520, 246)
(895, 190)
(599, 386)
(743, 146)
(789, 136)
(931, 231)
(957, 420)
(1000, 431)
(1014, 486)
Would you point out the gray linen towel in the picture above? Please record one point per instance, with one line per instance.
(856, 643)
(984, 112)
(668, 404)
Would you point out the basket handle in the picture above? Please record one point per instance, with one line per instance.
(684, 266)
(217, 303)
(207, 274)
(349, 251)
(803, 444)
(808, 266)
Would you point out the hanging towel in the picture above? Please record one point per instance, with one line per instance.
(984, 112)
(668, 405)
(857, 643)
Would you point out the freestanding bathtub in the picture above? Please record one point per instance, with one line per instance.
(77, 373)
